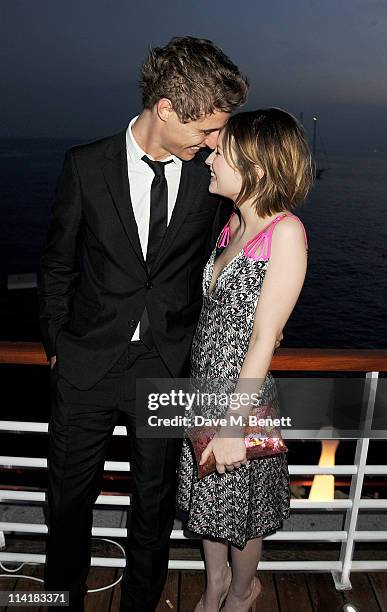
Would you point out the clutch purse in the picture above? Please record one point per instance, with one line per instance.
(260, 441)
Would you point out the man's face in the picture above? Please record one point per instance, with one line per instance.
(185, 139)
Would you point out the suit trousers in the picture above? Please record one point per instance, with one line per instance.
(80, 430)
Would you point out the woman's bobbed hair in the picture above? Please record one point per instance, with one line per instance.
(275, 141)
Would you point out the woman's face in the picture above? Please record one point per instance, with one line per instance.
(225, 180)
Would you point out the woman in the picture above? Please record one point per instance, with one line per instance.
(251, 284)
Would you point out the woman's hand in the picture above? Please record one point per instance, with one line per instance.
(229, 453)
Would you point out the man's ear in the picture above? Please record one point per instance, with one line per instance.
(164, 109)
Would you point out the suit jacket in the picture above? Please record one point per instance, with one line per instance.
(93, 282)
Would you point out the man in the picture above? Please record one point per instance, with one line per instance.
(120, 294)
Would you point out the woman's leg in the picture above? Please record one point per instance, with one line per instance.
(215, 553)
(244, 565)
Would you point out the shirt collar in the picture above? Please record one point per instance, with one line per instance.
(135, 152)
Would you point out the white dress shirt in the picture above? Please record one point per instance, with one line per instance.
(140, 177)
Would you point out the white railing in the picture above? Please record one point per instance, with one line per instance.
(348, 537)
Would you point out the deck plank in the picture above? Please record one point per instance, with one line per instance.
(268, 597)
(100, 577)
(323, 593)
(116, 593)
(192, 585)
(292, 589)
(362, 594)
(379, 583)
(6, 584)
(23, 584)
(170, 595)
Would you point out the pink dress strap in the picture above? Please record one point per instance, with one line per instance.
(224, 236)
(259, 247)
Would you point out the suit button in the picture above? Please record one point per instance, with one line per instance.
(132, 323)
(148, 285)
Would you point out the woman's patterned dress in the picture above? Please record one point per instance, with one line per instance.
(254, 499)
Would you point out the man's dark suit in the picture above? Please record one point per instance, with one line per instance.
(93, 287)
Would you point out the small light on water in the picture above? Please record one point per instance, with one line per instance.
(349, 608)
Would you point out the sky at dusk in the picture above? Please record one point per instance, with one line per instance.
(70, 68)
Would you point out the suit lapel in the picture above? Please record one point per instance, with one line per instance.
(115, 170)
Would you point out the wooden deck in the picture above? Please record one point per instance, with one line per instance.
(282, 592)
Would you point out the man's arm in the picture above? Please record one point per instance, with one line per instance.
(57, 269)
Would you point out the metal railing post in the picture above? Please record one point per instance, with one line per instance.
(342, 579)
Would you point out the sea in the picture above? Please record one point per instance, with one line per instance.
(342, 304)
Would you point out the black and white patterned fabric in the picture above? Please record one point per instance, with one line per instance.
(254, 499)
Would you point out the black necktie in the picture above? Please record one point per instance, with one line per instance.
(157, 228)
(158, 209)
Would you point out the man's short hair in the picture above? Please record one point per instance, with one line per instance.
(195, 75)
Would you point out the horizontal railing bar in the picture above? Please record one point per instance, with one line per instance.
(40, 462)
(22, 353)
(124, 466)
(375, 469)
(368, 566)
(308, 566)
(29, 426)
(30, 462)
(23, 426)
(372, 504)
(370, 536)
(178, 534)
(40, 496)
(175, 564)
(124, 500)
(280, 566)
(292, 359)
(33, 496)
(300, 470)
(329, 360)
